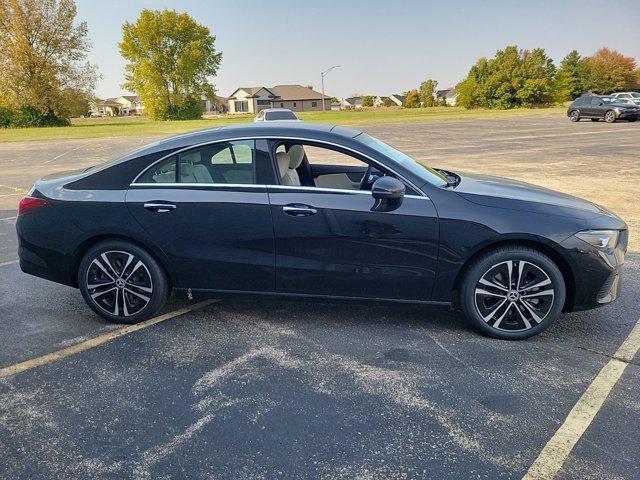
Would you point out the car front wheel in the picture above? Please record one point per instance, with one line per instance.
(513, 292)
(610, 116)
(122, 282)
(574, 116)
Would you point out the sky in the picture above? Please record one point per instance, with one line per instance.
(382, 47)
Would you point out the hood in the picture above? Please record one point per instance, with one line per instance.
(516, 195)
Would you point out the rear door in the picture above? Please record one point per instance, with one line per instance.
(208, 209)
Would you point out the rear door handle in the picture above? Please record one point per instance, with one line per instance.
(160, 207)
(299, 210)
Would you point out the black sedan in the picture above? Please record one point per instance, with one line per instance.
(596, 107)
(304, 210)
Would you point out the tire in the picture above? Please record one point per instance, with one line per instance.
(501, 312)
(595, 119)
(610, 116)
(632, 119)
(574, 115)
(122, 282)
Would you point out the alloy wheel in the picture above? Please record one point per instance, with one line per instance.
(514, 295)
(609, 117)
(119, 283)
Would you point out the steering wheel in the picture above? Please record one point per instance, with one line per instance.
(367, 179)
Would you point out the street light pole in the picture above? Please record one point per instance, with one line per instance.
(322, 74)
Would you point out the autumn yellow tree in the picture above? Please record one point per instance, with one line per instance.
(42, 59)
(169, 59)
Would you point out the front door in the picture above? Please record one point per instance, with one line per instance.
(336, 240)
(208, 210)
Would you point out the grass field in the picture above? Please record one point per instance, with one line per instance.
(132, 126)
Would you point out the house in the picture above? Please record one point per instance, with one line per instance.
(294, 97)
(379, 101)
(449, 95)
(117, 106)
(217, 106)
(397, 99)
(351, 103)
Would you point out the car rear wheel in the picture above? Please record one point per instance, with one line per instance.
(610, 116)
(122, 282)
(574, 116)
(513, 293)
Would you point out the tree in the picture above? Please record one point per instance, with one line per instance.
(367, 101)
(572, 78)
(42, 53)
(412, 99)
(610, 71)
(169, 59)
(513, 78)
(427, 93)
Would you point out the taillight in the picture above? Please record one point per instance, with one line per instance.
(30, 203)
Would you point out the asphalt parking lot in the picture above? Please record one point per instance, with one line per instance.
(284, 389)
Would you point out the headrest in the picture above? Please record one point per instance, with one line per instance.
(283, 162)
(296, 154)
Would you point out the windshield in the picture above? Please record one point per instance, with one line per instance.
(281, 116)
(610, 99)
(636, 95)
(429, 175)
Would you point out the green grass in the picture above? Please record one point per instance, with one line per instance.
(133, 126)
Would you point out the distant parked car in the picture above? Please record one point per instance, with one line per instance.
(607, 107)
(629, 97)
(276, 114)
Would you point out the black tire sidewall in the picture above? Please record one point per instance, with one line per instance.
(160, 284)
(483, 264)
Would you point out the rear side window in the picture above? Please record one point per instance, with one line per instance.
(224, 163)
(162, 172)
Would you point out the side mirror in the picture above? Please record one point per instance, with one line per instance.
(387, 188)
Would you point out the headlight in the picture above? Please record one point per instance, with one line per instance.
(600, 238)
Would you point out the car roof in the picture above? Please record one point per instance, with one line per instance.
(311, 131)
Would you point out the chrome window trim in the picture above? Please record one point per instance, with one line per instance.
(265, 186)
(272, 137)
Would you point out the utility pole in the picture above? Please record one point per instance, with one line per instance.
(322, 81)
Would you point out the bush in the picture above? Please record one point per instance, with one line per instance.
(190, 109)
(6, 115)
(26, 117)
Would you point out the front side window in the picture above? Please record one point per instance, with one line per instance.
(309, 165)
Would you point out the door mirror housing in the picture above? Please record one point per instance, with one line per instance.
(387, 188)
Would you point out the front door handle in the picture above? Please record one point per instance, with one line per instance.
(160, 207)
(299, 210)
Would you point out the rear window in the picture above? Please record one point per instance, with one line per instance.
(281, 116)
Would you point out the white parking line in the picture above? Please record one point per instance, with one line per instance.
(99, 340)
(64, 153)
(558, 448)
(10, 262)
(8, 218)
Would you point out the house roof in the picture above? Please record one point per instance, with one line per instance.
(448, 92)
(284, 92)
(131, 98)
(296, 92)
(352, 100)
(252, 91)
(398, 96)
